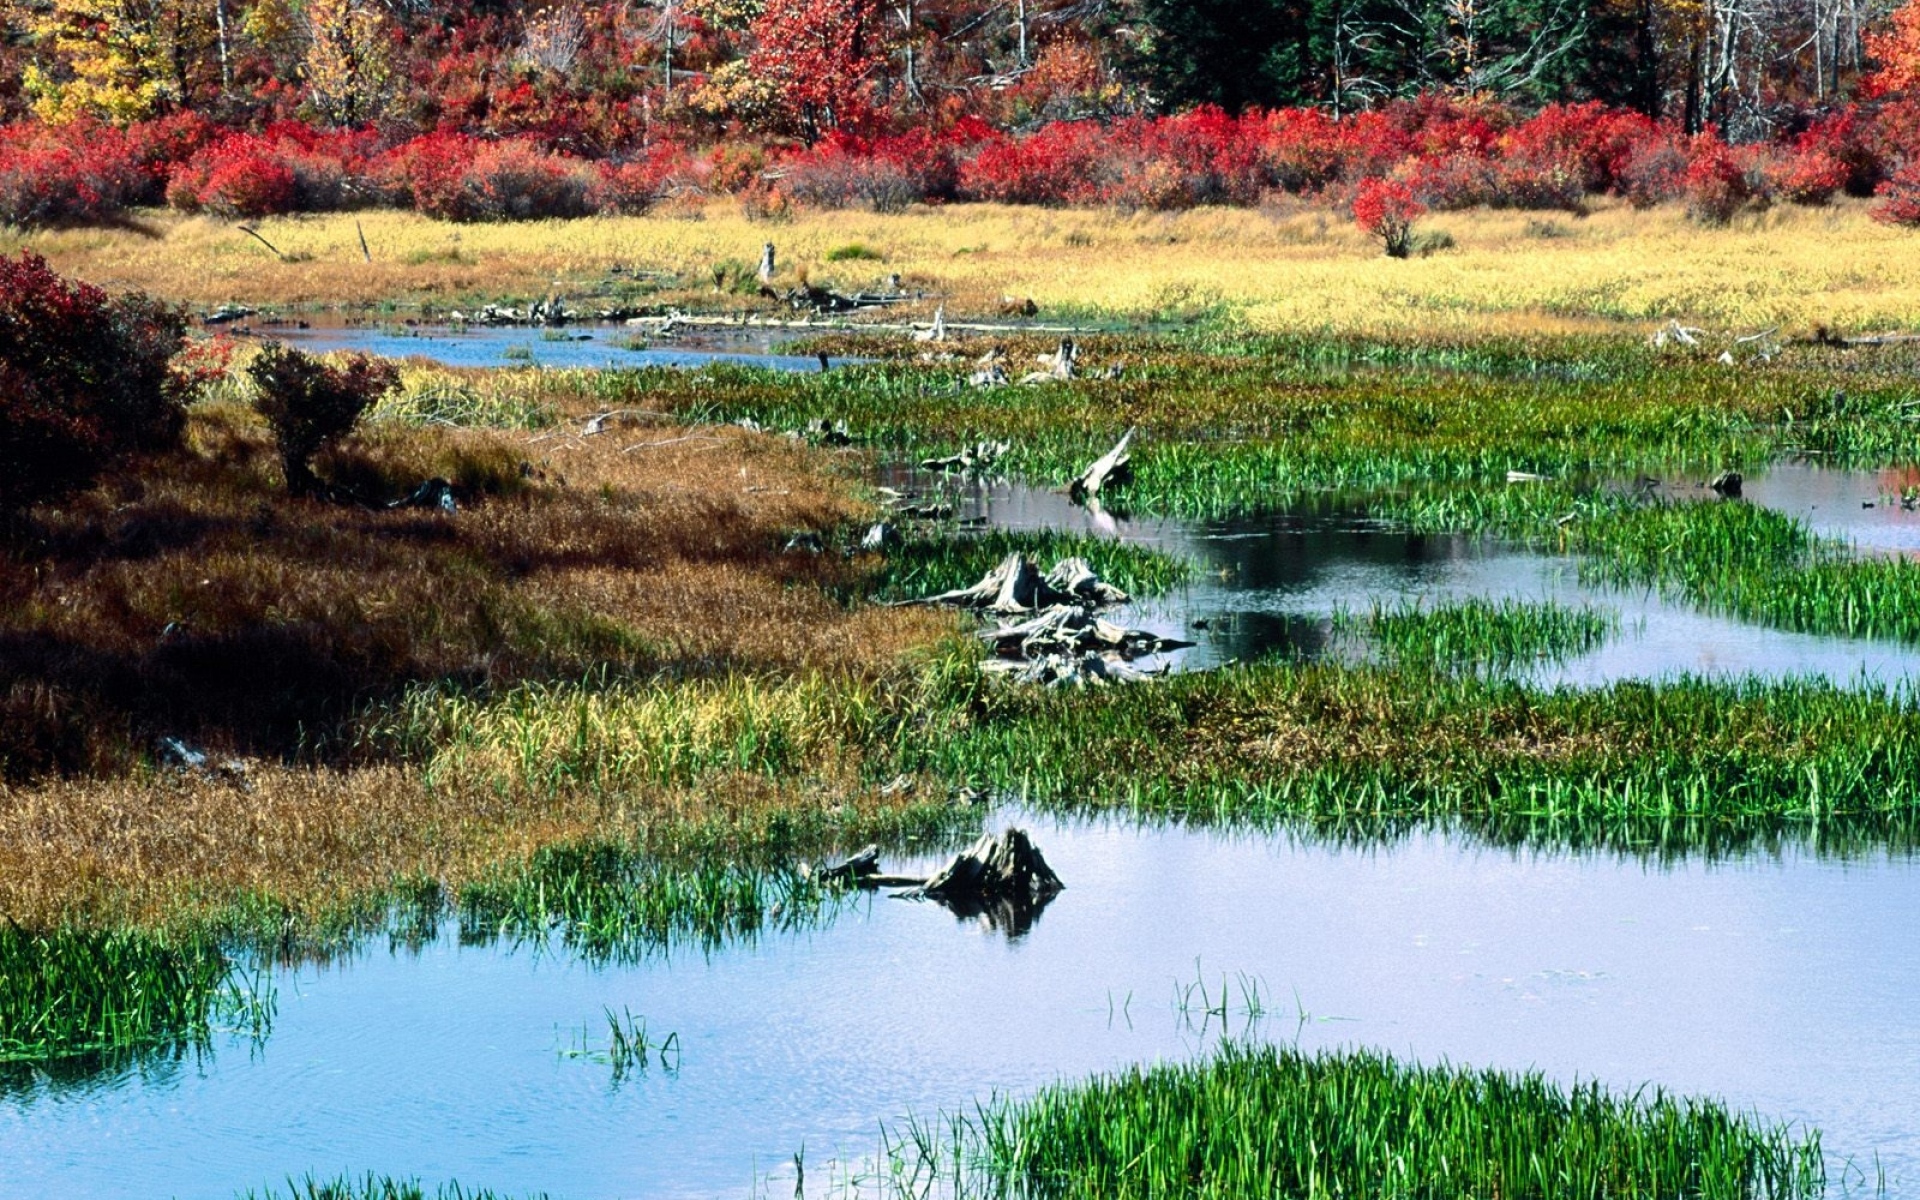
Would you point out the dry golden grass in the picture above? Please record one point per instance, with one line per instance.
(190, 597)
(1293, 267)
(158, 852)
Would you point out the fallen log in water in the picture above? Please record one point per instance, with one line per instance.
(1005, 868)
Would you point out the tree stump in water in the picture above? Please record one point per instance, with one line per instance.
(1008, 867)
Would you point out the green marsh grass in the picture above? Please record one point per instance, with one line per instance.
(72, 992)
(1687, 764)
(1477, 632)
(629, 1047)
(1263, 1121)
(376, 1187)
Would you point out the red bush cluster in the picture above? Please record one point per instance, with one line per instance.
(83, 379)
(1448, 154)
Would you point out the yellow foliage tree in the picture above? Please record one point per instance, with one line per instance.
(119, 59)
(349, 60)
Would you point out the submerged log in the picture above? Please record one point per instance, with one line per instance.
(1727, 483)
(1114, 466)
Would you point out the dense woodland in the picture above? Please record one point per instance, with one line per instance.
(487, 109)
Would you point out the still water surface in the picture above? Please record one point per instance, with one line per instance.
(1784, 983)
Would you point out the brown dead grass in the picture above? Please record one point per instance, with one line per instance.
(173, 850)
(191, 598)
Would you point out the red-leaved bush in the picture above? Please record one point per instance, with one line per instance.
(79, 173)
(461, 178)
(1717, 182)
(1386, 209)
(1900, 197)
(84, 379)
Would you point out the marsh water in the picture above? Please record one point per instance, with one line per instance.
(589, 346)
(1270, 584)
(1782, 982)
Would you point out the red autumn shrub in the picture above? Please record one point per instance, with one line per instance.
(1717, 182)
(1846, 137)
(1655, 171)
(632, 187)
(240, 176)
(1056, 164)
(1300, 148)
(78, 173)
(310, 404)
(461, 178)
(1386, 209)
(1900, 197)
(84, 379)
(1805, 176)
(1454, 181)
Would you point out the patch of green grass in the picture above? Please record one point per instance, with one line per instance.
(854, 252)
(71, 992)
(1262, 1121)
(1478, 632)
(1685, 766)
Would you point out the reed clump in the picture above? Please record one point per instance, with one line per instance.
(1475, 632)
(1266, 1121)
(76, 991)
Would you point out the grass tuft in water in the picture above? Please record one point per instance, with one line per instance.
(376, 1187)
(1264, 1121)
(1477, 632)
(72, 992)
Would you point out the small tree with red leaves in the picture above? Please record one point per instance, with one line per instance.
(1387, 209)
(820, 57)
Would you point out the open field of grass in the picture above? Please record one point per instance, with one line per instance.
(1291, 269)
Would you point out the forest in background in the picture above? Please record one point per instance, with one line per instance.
(480, 110)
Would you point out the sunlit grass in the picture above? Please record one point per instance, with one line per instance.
(1264, 1121)
(1299, 267)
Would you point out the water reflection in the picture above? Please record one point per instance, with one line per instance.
(1268, 585)
(1782, 982)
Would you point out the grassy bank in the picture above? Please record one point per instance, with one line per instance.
(1273, 1122)
(1287, 268)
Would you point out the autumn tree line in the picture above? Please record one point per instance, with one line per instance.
(243, 107)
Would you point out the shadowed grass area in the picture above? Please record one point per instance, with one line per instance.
(1263, 1121)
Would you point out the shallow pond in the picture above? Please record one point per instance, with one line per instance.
(1269, 584)
(581, 345)
(1783, 983)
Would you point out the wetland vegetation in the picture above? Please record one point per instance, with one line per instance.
(647, 671)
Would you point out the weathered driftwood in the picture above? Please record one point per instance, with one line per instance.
(938, 331)
(766, 264)
(977, 457)
(1075, 577)
(1069, 670)
(1060, 365)
(432, 493)
(1065, 629)
(1114, 466)
(881, 536)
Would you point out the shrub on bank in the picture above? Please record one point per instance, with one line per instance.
(310, 404)
(84, 379)
(1900, 197)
